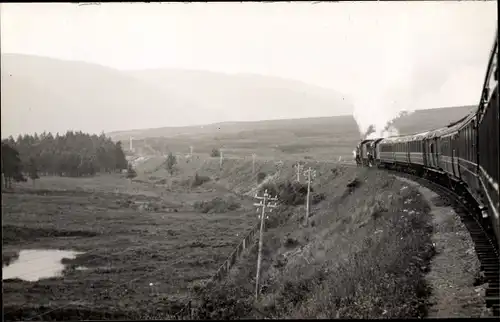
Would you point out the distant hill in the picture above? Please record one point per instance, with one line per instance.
(247, 97)
(423, 120)
(40, 93)
(323, 137)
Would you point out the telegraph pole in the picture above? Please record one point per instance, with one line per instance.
(279, 165)
(253, 163)
(299, 167)
(191, 151)
(220, 159)
(310, 174)
(263, 203)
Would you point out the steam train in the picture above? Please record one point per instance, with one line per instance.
(463, 155)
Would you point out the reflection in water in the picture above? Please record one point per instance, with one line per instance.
(35, 264)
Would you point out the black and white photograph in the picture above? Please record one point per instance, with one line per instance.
(250, 160)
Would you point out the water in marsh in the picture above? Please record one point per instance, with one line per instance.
(35, 264)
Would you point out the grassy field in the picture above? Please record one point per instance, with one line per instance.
(131, 233)
(154, 229)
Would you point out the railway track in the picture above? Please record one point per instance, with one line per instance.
(484, 239)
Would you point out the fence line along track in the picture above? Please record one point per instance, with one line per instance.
(245, 243)
(484, 239)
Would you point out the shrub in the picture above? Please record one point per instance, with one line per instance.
(215, 153)
(261, 176)
(351, 186)
(216, 205)
(198, 180)
(131, 173)
(291, 193)
(170, 163)
(161, 181)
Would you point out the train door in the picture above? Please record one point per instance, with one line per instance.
(453, 146)
(431, 154)
(437, 142)
(424, 151)
(408, 149)
(460, 152)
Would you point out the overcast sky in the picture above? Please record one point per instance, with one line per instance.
(413, 54)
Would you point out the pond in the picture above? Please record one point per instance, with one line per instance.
(35, 264)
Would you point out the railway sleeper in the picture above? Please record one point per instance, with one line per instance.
(492, 292)
(490, 267)
(480, 230)
(491, 300)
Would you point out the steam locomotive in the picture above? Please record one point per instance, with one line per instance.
(464, 154)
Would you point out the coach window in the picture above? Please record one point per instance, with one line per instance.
(474, 135)
(468, 143)
(464, 148)
(460, 145)
(464, 151)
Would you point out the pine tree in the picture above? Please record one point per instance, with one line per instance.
(131, 172)
(11, 165)
(33, 170)
(171, 162)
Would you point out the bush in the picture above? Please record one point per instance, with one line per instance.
(224, 303)
(199, 180)
(216, 205)
(351, 186)
(170, 163)
(215, 153)
(161, 181)
(291, 193)
(261, 176)
(131, 173)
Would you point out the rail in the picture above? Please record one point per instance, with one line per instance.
(485, 242)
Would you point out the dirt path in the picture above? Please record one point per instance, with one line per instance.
(455, 265)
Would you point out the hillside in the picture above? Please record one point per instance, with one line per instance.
(423, 120)
(40, 93)
(245, 97)
(324, 137)
(65, 95)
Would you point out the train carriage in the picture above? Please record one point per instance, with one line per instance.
(386, 149)
(416, 149)
(401, 153)
(466, 160)
(488, 142)
(431, 149)
(449, 147)
(393, 150)
(449, 161)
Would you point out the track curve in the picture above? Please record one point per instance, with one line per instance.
(483, 237)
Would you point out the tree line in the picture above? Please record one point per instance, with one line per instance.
(74, 154)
